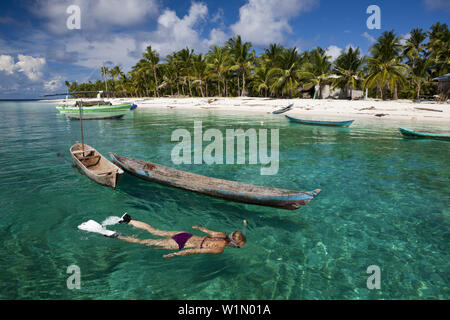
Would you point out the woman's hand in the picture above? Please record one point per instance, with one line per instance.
(170, 255)
(196, 227)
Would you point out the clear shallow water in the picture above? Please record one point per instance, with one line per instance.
(384, 201)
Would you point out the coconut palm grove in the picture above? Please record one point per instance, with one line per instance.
(395, 68)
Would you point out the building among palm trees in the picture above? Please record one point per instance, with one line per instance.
(444, 85)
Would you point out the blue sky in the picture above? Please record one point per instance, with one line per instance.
(38, 52)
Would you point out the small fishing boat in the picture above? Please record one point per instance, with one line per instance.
(282, 110)
(95, 166)
(219, 188)
(424, 135)
(321, 123)
(114, 116)
(97, 108)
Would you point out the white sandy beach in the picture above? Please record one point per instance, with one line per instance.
(319, 109)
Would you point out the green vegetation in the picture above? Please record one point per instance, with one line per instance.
(395, 68)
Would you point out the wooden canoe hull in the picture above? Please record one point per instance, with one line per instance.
(96, 167)
(218, 188)
(321, 123)
(424, 135)
(282, 110)
(115, 116)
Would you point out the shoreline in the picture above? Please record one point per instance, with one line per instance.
(319, 109)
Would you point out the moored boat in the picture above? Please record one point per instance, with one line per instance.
(214, 187)
(97, 108)
(424, 135)
(114, 116)
(321, 123)
(95, 166)
(282, 110)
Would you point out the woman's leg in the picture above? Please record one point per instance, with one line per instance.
(149, 228)
(163, 243)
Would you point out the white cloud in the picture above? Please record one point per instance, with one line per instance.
(175, 33)
(333, 52)
(218, 16)
(369, 37)
(30, 66)
(92, 54)
(437, 4)
(404, 37)
(267, 21)
(96, 16)
(53, 84)
(7, 64)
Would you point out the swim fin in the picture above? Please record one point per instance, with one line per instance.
(94, 226)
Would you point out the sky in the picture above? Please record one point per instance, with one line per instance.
(38, 51)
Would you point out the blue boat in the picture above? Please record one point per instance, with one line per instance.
(214, 187)
(321, 123)
(424, 135)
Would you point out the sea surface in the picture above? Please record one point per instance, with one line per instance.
(384, 202)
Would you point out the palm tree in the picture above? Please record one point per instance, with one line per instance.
(169, 77)
(387, 49)
(385, 74)
(114, 73)
(388, 46)
(104, 72)
(438, 48)
(317, 70)
(272, 55)
(285, 78)
(219, 61)
(184, 58)
(142, 71)
(243, 59)
(261, 79)
(420, 74)
(67, 83)
(152, 57)
(348, 70)
(414, 46)
(200, 76)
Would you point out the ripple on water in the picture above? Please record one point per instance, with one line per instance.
(384, 202)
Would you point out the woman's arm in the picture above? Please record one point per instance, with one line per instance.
(188, 252)
(210, 232)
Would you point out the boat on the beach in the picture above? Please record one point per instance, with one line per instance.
(95, 166)
(114, 116)
(214, 187)
(282, 110)
(97, 108)
(321, 123)
(424, 135)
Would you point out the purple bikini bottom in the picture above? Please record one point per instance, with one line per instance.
(181, 239)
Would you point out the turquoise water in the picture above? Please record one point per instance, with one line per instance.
(384, 201)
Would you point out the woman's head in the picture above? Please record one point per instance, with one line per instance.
(237, 239)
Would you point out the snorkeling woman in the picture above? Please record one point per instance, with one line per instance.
(214, 243)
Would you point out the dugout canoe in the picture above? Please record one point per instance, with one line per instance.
(282, 110)
(95, 166)
(424, 135)
(321, 123)
(218, 188)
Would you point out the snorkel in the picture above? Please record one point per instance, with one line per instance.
(230, 236)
